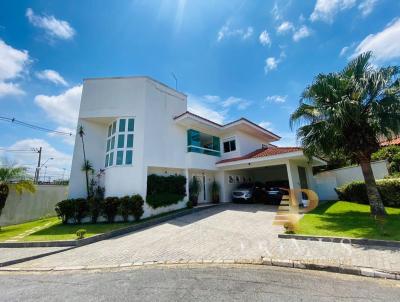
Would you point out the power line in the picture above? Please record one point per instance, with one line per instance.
(35, 127)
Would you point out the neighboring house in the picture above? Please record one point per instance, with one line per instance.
(137, 126)
(393, 142)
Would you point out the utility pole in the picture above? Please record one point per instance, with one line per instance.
(38, 165)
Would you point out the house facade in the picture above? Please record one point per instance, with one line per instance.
(137, 126)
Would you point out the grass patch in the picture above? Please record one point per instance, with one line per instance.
(347, 219)
(8, 232)
(58, 231)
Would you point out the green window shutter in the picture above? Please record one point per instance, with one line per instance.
(193, 138)
(216, 143)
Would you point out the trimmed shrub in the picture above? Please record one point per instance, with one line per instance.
(357, 192)
(65, 210)
(81, 209)
(95, 208)
(165, 190)
(125, 207)
(137, 203)
(110, 209)
(80, 234)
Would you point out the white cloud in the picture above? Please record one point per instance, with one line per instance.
(264, 38)
(226, 32)
(366, 7)
(288, 140)
(271, 63)
(54, 167)
(265, 125)
(52, 76)
(200, 106)
(53, 27)
(343, 51)
(62, 109)
(12, 64)
(239, 103)
(325, 10)
(301, 33)
(10, 89)
(383, 44)
(276, 98)
(276, 12)
(285, 27)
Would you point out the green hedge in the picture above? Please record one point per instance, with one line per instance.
(165, 190)
(77, 209)
(356, 192)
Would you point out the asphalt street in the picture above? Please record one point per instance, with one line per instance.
(195, 283)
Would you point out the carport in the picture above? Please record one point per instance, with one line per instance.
(279, 165)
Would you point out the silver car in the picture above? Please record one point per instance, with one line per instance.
(243, 193)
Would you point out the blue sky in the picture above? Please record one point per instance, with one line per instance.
(232, 58)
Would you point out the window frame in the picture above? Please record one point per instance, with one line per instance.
(229, 140)
(119, 136)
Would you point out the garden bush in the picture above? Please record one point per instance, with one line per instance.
(126, 207)
(80, 234)
(392, 155)
(165, 190)
(95, 208)
(65, 210)
(110, 209)
(137, 203)
(357, 192)
(81, 209)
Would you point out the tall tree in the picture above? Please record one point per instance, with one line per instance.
(349, 112)
(12, 177)
(86, 167)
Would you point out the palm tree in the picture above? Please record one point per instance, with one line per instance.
(86, 167)
(349, 112)
(15, 178)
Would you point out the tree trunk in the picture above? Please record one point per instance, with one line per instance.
(375, 200)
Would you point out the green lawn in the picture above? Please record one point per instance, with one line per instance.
(11, 231)
(346, 219)
(59, 231)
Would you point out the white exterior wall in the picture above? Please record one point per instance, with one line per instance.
(326, 182)
(248, 143)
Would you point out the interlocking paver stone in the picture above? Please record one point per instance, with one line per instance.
(231, 231)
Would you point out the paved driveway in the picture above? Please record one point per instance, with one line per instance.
(230, 231)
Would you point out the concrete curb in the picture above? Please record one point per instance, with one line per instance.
(298, 264)
(115, 233)
(20, 260)
(385, 243)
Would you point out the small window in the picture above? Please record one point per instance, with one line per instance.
(110, 163)
(112, 142)
(120, 155)
(131, 124)
(229, 146)
(129, 142)
(109, 131)
(114, 126)
(121, 138)
(122, 125)
(128, 157)
(106, 164)
(108, 145)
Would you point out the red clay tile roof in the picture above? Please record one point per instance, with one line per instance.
(395, 141)
(265, 152)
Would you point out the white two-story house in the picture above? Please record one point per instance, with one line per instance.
(137, 126)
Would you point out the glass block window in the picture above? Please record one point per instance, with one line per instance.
(120, 138)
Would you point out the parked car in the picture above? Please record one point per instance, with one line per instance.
(274, 195)
(243, 193)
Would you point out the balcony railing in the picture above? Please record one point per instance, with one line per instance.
(203, 150)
